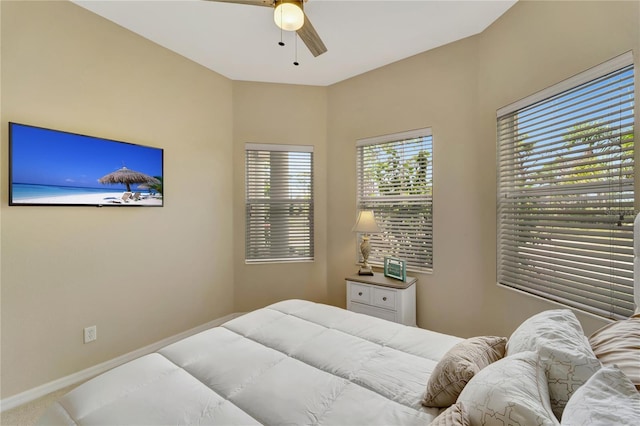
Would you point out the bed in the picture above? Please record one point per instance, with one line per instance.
(297, 362)
(293, 362)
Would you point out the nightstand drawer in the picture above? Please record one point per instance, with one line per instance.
(384, 298)
(374, 312)
(360, 293)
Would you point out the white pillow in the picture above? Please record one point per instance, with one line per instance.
(566, 371)
(564, 350)
(511, 391)
(608, 398)
(557, 326)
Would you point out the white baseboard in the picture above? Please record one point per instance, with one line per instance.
(63, 382)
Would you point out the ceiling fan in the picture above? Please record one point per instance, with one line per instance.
(289, 15)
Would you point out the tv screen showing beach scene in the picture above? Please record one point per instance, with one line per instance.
(52, 167)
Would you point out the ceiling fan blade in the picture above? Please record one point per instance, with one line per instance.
(267, 3)
(311, 38)
(307, 33)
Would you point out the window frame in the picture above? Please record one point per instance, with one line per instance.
(561, 268)
(263, 205)
(381, 243)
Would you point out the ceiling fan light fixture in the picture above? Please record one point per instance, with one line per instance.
(289, 15)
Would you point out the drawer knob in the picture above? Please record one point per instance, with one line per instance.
(359, 293)
(384, 299)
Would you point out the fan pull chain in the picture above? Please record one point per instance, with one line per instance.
(281, 43)
(295, 62)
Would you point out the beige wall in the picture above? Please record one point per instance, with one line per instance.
(139, 274)
(557, 40)
(434, 90)
(456, 90)
(290, 115)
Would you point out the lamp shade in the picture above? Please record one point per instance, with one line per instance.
(366, 222)
(289, 15)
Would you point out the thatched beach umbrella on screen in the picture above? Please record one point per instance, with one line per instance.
(148, 186)
(127, 177)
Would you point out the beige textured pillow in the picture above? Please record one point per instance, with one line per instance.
(452, 416)
(458, 366)
(619, 344)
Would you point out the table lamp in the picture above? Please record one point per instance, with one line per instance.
(366, 224)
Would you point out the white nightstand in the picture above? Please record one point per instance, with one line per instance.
(383, 297)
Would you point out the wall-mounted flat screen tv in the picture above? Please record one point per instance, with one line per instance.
(55, 168)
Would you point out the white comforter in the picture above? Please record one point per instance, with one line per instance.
(294, 362)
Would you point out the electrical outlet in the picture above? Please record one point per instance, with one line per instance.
(90, 334)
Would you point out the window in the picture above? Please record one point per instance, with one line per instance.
(566, 191)
(279, 203)
(395, 181)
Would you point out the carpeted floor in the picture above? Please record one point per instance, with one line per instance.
(28, 414)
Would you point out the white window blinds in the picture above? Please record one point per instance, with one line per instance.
(395, 181)
(279, 203)
(566, 191)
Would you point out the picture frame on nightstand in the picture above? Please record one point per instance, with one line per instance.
(395, 268)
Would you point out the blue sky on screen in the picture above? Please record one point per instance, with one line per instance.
(50, 157)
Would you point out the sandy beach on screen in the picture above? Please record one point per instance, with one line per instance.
(105, 199)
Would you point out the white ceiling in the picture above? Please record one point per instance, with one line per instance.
(241, 41)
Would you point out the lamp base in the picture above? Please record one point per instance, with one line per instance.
(365, 270)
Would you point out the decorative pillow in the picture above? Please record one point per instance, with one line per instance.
(512, 391)
(564, 350)
(455, 415)
(608, 398)
(556, 326)
(566, 371)
(619, 344)
(458, 366)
